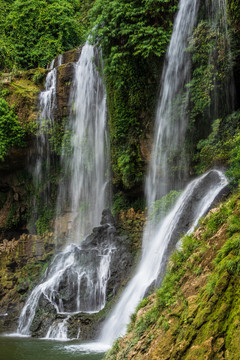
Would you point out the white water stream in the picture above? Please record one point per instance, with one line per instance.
(154, 252)
(76, 279)
(171, 120)
(85, 190)
(169, 136)
(45, 122)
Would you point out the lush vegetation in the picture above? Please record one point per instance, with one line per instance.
(133, 36)
(214, 124)
(11, 131)
(33, 32)
(196, 299)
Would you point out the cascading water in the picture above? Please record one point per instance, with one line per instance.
(190, 207)
(170, 121)
(86, 191)
(45, 124)
(77, 277)
(217, 18)
(58, 330)
(199, 195)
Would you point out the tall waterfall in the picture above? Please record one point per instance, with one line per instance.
(76, 279)
(199, 195)
(170, 121)
(86, 191)
(190, 207)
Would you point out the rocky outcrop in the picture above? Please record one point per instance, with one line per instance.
(65, 74)
(22, 263)
(104, 239)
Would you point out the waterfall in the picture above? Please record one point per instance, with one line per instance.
(168, 170)
(77, 277)
(58, 330)
(86, 190)
(190, 207)
(170, 120)
(45, 125)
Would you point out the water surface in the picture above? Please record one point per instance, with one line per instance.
(24, 348)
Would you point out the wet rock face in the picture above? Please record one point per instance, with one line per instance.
(184, 222)
(65, 74)
(21, 264)
(82, 283)
(12, 205)
(106, 236)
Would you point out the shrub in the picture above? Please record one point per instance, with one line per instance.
(35, 31)
(11, 131)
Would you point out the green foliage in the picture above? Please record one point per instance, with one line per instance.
(161, 207)
(38, 76)
(11, 131)
(42, 223)
(120, 202)
(233, 225)
(221, 146)
(211, 284)
(234, 171)
(141, 27)
(133, 36)
(145, 321)
(212, 61)
(35, 31)
(210, 91)
(142, 304)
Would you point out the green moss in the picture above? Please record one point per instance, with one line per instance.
(205, 325)
(13, 218)
(24, 88)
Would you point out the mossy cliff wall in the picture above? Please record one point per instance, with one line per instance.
(196, 312)
(22, 264)
(24, 256)
(21, 90)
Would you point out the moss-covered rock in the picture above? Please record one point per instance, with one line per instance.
(196, 313)
(22, 263)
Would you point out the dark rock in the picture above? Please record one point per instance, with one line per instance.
(104, 240)
(188, 212)
(107, 217)
(65, 75)
(44, 317)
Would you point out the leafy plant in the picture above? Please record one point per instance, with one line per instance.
(35, 31)
(11, 131)
(162, 206)
(133, 36)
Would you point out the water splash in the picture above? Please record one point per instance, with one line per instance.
(58, 330)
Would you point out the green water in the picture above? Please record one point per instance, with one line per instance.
(14, 348)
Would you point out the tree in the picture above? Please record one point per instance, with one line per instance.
(36, 31)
